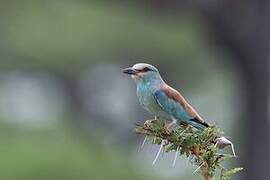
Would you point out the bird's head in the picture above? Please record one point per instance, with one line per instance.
(142, 72)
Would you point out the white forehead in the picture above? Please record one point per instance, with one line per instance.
(143, 65)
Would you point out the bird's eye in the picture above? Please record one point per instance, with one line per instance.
(146, 69)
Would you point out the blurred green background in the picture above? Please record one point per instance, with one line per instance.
(66, 110)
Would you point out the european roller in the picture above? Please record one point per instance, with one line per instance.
(166, 103)
(160, 99)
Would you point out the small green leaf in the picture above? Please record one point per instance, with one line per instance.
(233, 171)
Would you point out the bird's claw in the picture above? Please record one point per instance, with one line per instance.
(148, 123)
(168, 128)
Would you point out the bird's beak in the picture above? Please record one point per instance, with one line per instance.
(130, 71)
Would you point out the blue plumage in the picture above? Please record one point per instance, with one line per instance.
(171, 107)
(160, 99)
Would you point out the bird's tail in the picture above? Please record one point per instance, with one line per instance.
(198, 124)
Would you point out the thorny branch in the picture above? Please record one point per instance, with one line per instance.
(203, 146)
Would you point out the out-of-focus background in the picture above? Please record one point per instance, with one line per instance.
(67, 112)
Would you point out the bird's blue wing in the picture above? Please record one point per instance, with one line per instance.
(170, 106)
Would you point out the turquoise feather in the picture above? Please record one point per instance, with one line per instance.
(153, 93)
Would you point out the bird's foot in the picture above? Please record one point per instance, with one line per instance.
(148, 123)
(168, 127)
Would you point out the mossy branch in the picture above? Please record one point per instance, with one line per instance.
(203, 146)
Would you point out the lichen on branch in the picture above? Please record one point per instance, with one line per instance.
(201, 146)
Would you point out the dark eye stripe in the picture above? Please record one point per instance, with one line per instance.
(144, 69)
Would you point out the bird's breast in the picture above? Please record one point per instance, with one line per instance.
(147, 100)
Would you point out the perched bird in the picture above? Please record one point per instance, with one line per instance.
(160, 99)
(164, 102)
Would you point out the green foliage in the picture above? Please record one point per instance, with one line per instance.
(198, 145)
(227, 173)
